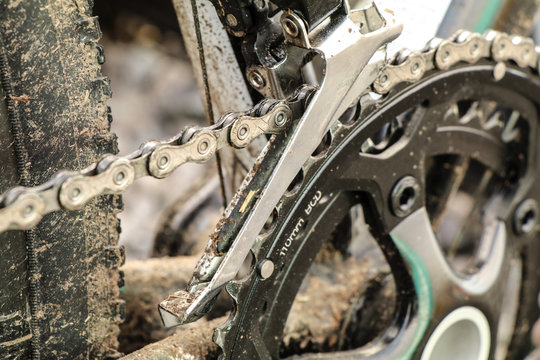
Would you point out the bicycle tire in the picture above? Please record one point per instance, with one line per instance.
(59, 281)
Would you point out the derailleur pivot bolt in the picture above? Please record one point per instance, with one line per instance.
(265, 269)
(526, 217)
(404, 196)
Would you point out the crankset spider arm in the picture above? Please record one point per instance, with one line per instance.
(347, 49)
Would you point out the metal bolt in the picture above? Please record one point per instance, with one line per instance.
(163, 161)
(383, 79)
(265, 269)
(259, 3)
(256, 79)
(231, 20)
(203, 146)
(290, 27)
(120, 177)
(404, 196)
(243, 132)
(526, 217)
(280, 118)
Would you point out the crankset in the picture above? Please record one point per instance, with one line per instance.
(443, 172)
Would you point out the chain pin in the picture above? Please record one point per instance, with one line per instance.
(203, 147)
(243, 132)
(163, 161)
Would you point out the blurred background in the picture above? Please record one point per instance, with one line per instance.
(154, 96)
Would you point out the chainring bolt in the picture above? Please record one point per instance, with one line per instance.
(404, 195)
(265, 269)
(526, 217)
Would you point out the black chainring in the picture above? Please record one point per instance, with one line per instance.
(459, 126)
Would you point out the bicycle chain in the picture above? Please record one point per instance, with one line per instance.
(21, 208)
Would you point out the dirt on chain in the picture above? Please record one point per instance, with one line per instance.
(155, 97)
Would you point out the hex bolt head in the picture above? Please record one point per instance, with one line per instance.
(265, 268)
(290, 27)
(256, 79)
(404, 196)
(526, 217)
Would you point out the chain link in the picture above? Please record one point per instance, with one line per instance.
(22, 208)
(464, 46)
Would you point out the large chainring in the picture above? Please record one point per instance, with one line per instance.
(445, 173)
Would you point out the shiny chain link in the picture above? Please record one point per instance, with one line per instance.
(464, 46)
(22, 208)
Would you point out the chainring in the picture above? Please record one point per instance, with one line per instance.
(460, 143)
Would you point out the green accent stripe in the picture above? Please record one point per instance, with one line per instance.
(424, 293)
(488, 15)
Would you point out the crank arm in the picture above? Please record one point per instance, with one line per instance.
(346, 48)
